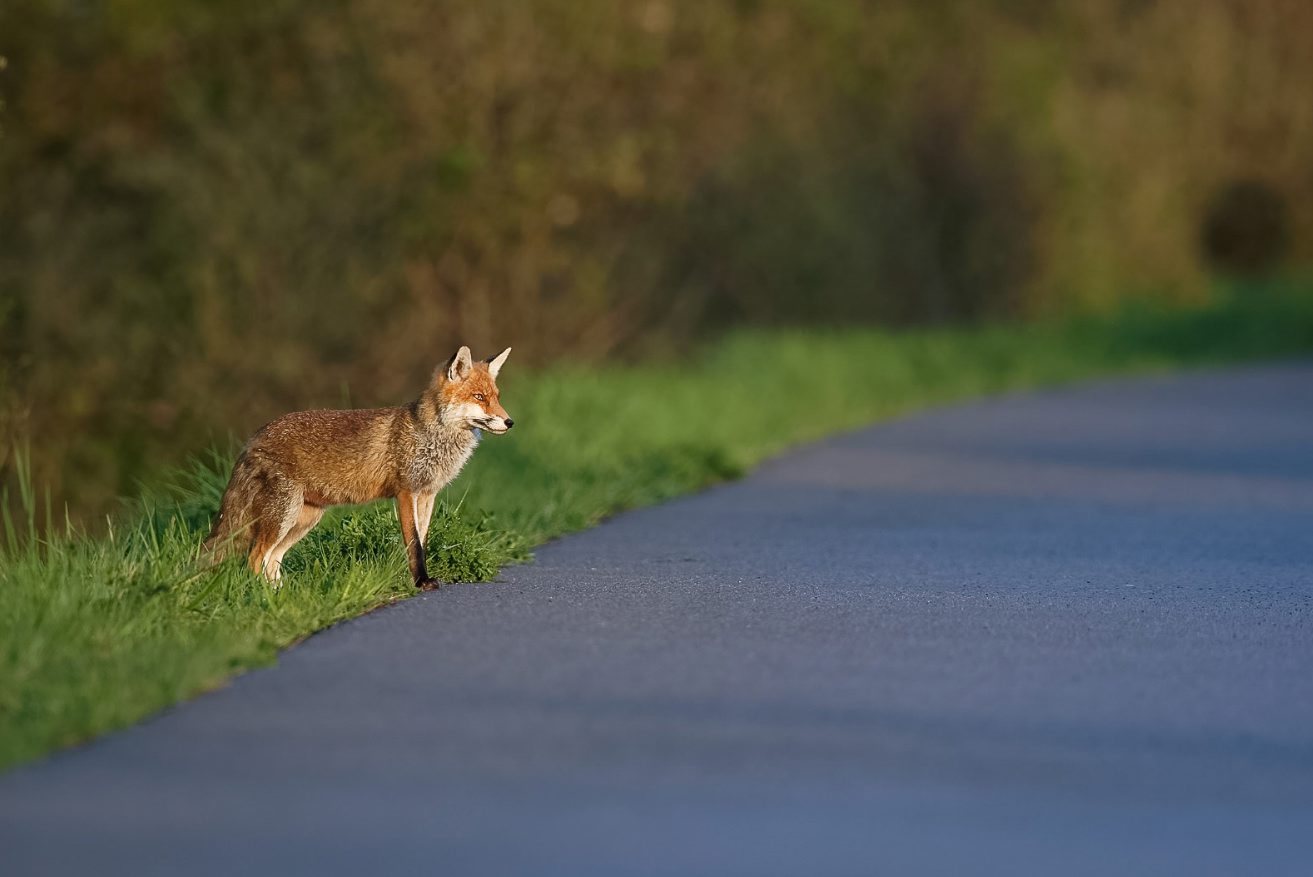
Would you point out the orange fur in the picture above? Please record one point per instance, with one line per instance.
(302, 462)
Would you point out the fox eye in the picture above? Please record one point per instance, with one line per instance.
(480, 397)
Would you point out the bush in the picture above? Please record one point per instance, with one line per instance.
(215, 214)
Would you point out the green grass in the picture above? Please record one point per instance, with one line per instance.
(96, 633)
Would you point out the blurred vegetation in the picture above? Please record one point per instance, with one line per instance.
(214, 213)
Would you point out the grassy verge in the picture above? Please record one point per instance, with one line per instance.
(96, 633)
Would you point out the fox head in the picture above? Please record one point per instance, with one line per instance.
(468, 393)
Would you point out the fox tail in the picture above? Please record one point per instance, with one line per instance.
(234, 520)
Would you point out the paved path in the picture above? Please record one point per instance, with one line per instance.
(1068, 633)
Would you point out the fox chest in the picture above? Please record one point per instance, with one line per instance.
(436, 462)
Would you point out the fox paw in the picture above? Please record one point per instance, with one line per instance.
(428, 584)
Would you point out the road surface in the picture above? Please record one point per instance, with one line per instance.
(1061, 633)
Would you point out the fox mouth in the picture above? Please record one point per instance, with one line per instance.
(486, 426)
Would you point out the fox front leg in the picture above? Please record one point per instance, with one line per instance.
(408, 510)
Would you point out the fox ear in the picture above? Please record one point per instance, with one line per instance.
(460, 365)
(495, 364)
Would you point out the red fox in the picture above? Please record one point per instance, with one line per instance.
(299, 464)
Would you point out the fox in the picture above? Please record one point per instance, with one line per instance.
(298, 465)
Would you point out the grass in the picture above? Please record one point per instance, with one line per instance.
(96, 633)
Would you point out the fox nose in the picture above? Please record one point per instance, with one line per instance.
(509, 423)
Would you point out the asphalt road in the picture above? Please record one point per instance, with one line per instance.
(1065, 633)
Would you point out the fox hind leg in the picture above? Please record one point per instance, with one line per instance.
(306, 518)
(277, 510)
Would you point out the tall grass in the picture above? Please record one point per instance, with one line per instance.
(97, 632)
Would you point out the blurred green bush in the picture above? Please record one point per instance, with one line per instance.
(212, 213)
